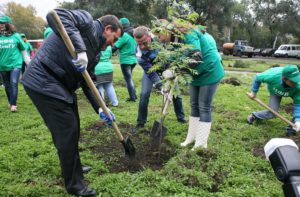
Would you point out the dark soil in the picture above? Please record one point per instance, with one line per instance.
(113, 154)
(258, 150)
(289, 108)
(232, 80)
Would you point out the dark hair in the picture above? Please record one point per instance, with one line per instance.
(113, 21)
(10, 28)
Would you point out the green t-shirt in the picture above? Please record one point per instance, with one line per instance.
(126, 45)
(28, 48)
(273, 78)
(210, 71)
(10, 52)
(104, 65)
(47, 32)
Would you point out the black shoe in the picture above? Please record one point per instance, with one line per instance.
(130, 100)
(250, 119)
(86, 192)
(137, 127)
(181, 121)
(290, 131)
(86, 169)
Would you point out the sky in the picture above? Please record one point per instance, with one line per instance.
(42, 6)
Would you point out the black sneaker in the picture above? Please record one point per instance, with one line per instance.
(250, 119)
(130, 100)
(181, 121)
(290, 131)
(137, 128)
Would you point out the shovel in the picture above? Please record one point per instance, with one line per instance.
(272, 110)
(158, 130)
(127, 144)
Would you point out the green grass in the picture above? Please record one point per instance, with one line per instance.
(256, 65)
(29, 165)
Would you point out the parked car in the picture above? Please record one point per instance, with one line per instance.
(257, 51)
(287, 50)
(298, 55)
(268, 52)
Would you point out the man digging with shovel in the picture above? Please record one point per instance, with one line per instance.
(146, 56)
(53, 76)
(282, 82)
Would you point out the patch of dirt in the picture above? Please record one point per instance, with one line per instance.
(232, 80)
(258, 150)
(113, 154)
(289, 108)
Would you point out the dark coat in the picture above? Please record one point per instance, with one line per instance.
(51, 71)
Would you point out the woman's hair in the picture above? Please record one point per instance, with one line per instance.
(10, 28)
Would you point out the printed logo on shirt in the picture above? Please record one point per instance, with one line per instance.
(281, 93)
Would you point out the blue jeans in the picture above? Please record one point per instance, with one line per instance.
(10, 82)
(274, 103)
(110, 90)
(147, 85)
(201, 101)
(127, 72)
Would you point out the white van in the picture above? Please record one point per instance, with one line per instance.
(287, 50)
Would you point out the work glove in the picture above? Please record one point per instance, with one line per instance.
(168, 74)
(297, 126)
(81, 62)
(106, 118)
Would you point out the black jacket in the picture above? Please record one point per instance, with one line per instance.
(51, 71)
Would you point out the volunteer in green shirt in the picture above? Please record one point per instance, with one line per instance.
(202, 88)
(282, 82)
(104, 76)
(127, 45)
(12, 54)
(29, 51)
(47, 32)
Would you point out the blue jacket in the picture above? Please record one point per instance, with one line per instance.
(51, 71)
(146, 59)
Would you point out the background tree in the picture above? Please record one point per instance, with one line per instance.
(138, 12)
(25, 20)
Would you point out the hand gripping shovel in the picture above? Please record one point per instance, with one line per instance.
(158, 130)
(272, 110)
(127, 144)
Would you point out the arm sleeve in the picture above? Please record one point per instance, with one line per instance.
(153, 76)
(146, 63)
(74, 21)
(255, 85)
(89, 95)
(297, 112)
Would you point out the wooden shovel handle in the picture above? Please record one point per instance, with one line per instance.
(271, 110)
(85, 74)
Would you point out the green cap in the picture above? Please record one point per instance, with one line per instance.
(22, 35)
(5, 19)
(291, 72)
(124, 21)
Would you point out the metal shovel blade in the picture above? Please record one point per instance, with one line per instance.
(129, 148)
(158, 131)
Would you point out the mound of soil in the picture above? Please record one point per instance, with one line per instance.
(289, 108)
(112, 151)
(232, 80)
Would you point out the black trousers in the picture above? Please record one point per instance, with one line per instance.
(62, 119)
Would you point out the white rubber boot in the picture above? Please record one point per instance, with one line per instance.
(202, 135)
(193, 128)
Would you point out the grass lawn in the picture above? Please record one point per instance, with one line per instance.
(256, 65)
(233, 164)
